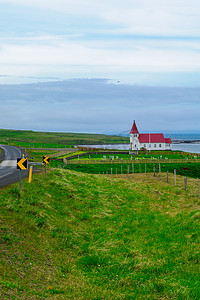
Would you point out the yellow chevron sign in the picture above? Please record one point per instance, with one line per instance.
(45, 159)
(22, 163)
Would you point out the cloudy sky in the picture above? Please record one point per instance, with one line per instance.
(130, 59)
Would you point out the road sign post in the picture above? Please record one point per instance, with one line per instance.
(46, 161)
(20, 179)
(22, 164)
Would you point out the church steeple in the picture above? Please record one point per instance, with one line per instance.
(134, 137)
(134, 129)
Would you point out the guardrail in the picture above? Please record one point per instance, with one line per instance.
(35, 164)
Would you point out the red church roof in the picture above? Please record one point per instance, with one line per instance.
(168, 141)
(134, 128)
(151, 138)
(147, 138)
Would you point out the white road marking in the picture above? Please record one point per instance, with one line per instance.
(8, 163)
(6, 175)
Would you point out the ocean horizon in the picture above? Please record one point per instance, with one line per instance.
(183, 136)
(177, 136)
(186, 147)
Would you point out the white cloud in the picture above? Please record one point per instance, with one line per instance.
(104, 48)
(41, 55)
(154, 17)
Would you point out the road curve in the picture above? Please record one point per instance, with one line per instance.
(8, 167)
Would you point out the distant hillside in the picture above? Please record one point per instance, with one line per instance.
(57, 138)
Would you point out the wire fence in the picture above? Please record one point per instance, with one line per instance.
(139, 161)
(183, 182)
(158, 169)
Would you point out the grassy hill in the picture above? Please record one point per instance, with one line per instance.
(56, 139)
(71, 235)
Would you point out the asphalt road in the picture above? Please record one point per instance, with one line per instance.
(8, 167)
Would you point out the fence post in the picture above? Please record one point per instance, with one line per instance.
(121, 169)
(111, 171)
(154, 171)
(185, 183)
(167, 177)
(133, 168)
(140, 167)
(198, 186)
(160, 170)
(127, 169)
(116, 170)
(145, 169)
(175, 176)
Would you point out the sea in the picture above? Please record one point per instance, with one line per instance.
(185, 142)
(182, 142)
(183, 137)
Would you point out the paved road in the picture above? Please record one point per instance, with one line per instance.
(8, 167)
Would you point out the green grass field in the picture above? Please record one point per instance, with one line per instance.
(152, 155)
(191, 169)
(71, 235)
(31, 139)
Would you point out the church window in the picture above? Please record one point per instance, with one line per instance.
(149, 145)
(154, 145)
(160, 145)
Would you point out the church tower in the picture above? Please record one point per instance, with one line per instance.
(134, 135)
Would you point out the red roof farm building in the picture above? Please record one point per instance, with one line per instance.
(149, 141)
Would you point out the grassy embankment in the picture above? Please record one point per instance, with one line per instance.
(71, 235)
(31, 139)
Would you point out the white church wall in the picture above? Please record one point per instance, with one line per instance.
(136, 145)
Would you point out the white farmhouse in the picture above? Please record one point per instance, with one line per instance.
(149, 141)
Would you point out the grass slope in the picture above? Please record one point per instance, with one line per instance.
(55, 139)
(71, 235)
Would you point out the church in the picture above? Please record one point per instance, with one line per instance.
(149, 141)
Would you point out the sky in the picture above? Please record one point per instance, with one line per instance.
(142, 56)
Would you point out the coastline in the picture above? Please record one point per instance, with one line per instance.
(185, 141)
(177, 145)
